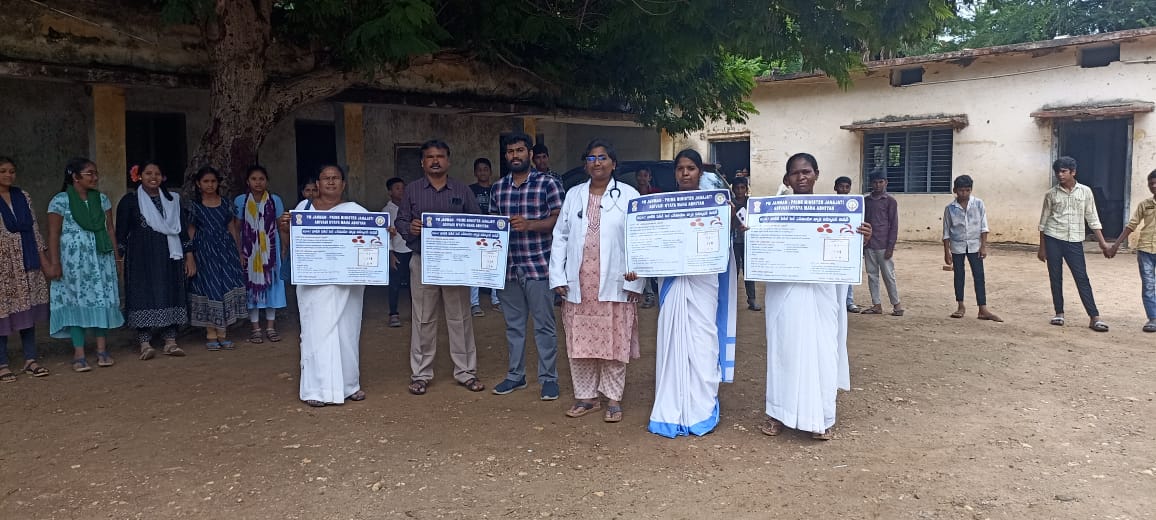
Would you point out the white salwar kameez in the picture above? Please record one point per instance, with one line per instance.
(696, 350)
(330, 334)
(806, 353)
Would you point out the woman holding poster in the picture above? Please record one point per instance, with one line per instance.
(696, 333)
(330, 314)
(587, 268)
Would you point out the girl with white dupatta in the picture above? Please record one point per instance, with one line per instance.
(330, 314)
(153, 241)
(261, 252)
(806, 338)
(696, 333)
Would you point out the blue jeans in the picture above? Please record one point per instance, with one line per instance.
(476, 299)
(850, 295)
(530, 298)
(1147, 263)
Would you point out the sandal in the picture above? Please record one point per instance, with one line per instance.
(80, 365)
(7, 376)
(613, 414)
(1098, 326)
(418, 387)
(771, 427)
(35, 370)
(958, 314)
(854, 309)
(1058, 320)
(473, 385)
(825, 436)
(990, 317)
(898, 312)
(256, 337)
(227, 345)
(104, 359)
(581, 408)
(147, 353)
(272, 335)
(872, 310)
(357, 396)
(315, 404)
(212, 346)
(173, 350)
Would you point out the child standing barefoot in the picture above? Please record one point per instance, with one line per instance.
(965, 238)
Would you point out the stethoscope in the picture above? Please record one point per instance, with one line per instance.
(615, 195)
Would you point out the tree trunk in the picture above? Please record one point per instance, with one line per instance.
(244, 101)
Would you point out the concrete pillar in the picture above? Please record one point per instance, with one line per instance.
(666, 146)
(108, 139)
(353, 140)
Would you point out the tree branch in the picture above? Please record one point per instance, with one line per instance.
(307, 88)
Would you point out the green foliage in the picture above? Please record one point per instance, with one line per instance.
(675, 63)
(1005, 22)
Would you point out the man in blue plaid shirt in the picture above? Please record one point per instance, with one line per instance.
(532, 200)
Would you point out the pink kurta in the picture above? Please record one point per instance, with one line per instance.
(597, 329)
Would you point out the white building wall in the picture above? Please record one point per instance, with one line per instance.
(1003, 148)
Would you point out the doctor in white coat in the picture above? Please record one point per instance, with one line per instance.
(588, 269)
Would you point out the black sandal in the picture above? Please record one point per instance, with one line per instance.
(7, 376)
(418, 387)
(35, 370)
(474, 385)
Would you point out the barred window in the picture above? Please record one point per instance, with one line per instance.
(915, 161)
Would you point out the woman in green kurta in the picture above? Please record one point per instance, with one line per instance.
(81, 245)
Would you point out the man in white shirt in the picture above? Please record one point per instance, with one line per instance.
(399, 254)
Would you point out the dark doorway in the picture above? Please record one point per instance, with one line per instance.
(732, 155)
(1103, 152)
(316, 145)
(160, 137)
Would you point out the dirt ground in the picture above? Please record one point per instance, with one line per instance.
(946, 419)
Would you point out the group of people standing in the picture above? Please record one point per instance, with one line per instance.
(572, 246)
(197, 260)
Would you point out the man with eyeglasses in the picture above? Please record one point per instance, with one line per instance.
(532, 199)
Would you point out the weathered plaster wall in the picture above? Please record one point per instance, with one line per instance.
(1004, 149)
(631, 143)
(42, 125)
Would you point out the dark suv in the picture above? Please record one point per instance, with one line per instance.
(661, 174)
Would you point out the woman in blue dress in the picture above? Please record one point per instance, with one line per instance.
(257, 212)
(217, 295)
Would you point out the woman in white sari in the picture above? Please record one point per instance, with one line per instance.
(806, 338)
(696, 333)
(330, 314)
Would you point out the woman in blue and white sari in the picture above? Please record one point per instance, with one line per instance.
(696, 333)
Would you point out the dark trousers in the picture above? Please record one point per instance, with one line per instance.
(1058, 252)
(976, 273)
(739, 249)
(27, 343)
(396, 276)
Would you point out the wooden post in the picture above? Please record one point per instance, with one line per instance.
(108, 139)
(354, 138)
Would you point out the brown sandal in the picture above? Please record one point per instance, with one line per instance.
(272, 335)
(825, 436)
(771, 427)
(581, 408)
(473, 385)
(256, 337)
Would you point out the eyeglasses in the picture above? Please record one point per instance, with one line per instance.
(596, 158)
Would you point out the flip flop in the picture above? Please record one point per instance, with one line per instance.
(581, 408)
(825, 436)
(418, 387)
(958, 314)
(357, 396)
(315, 404)
(771, 427)
(613, 414)
(872, 310)
(991, 317)
(1099, 326)
(898, 312)
(1058, 321)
